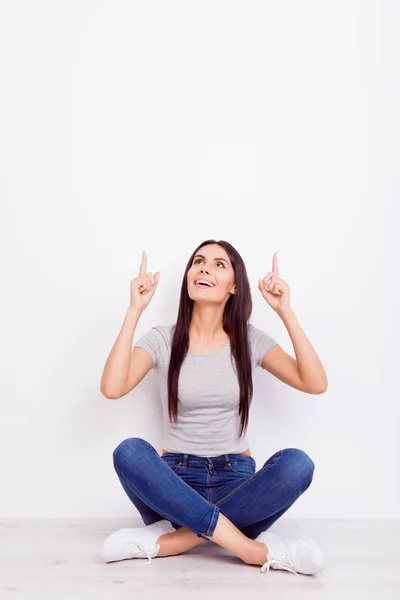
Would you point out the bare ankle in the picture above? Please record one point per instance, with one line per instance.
(258, 556)
(166, 543)
(177, 542)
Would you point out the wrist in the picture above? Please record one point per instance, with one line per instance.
(285, 312)
(135, 311)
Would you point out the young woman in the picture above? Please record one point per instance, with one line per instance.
(205, 485)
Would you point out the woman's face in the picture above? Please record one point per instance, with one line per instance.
(212, 264)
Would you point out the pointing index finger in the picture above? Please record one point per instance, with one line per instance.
(275, 264)
(143, 266)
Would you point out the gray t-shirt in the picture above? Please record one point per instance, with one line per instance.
(208, 391)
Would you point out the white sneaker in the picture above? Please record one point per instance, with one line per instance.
(298, 555)
(135, 542)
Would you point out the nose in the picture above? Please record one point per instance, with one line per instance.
(204, 270)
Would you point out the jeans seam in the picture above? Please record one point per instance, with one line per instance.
(213, 522)
(251, 478)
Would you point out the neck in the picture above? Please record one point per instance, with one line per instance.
(206, 323)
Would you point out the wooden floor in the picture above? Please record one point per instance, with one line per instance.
(58, 559)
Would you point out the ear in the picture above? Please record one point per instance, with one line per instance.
(233, 290)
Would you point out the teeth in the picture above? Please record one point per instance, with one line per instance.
(205, 282)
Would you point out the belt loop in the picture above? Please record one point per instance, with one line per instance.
(185, 460)
(227, 459)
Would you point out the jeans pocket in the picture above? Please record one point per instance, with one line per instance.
(173, 463)
(244, 467)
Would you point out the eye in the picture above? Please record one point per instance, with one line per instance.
(218, 263)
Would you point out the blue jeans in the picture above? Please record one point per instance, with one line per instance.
(190, 491)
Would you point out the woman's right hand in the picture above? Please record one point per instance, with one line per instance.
(144, 286)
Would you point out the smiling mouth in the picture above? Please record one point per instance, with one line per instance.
(203, 285)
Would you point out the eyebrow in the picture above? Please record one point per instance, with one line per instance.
(201, 256)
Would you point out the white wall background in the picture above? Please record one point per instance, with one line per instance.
(132, 125)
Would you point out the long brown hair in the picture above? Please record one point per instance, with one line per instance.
(236, 314)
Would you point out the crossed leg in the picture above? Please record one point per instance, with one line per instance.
(298, 471)
(274, 488)
(226, 534)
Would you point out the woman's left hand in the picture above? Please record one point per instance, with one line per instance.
(275, 291)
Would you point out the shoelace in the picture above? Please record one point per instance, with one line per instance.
(282, 561)
(148, 550)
